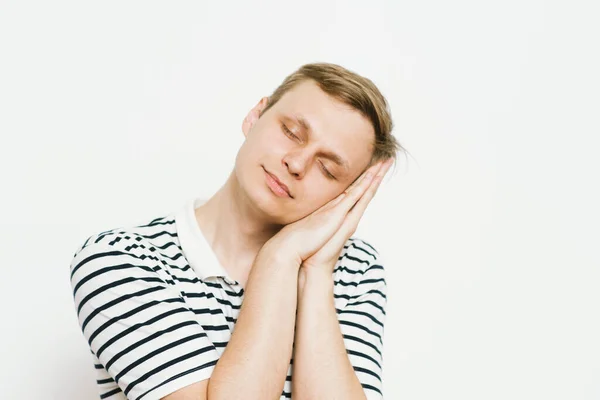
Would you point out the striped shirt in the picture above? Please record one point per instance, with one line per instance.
(157, 309)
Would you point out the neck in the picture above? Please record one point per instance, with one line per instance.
(234, 228)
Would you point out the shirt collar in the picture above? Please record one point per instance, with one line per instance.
(194, 245)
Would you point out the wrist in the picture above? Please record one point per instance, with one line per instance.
(319, 273)
(277, 254)
(321, 279)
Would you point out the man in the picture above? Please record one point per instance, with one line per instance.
(259, 292)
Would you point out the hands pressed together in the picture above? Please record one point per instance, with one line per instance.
(317, 240)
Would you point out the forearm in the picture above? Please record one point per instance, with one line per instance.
(322, 369)
(257, 357)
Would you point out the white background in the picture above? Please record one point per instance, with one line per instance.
(115, 112)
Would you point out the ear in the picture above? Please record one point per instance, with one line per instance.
(254, 115)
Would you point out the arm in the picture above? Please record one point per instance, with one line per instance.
(322, 369)
(360, 326)
(257, 357)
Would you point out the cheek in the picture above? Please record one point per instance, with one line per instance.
(270, 141)
(278, 140)
(254, 147)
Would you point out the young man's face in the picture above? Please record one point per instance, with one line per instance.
(339, 142)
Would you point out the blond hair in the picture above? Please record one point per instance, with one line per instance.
(354, 90)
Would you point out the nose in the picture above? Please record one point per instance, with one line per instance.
(296, 164)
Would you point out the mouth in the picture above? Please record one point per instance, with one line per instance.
(276, 186)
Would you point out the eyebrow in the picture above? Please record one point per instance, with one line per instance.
(330, 155)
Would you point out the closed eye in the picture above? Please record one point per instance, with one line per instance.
(326, 171)
(288, 132)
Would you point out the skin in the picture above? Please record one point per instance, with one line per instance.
(239, 219)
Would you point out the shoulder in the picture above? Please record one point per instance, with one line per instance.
(360, 250)
(143, 242)
(359, 268)
(130, 238)
(359, 256)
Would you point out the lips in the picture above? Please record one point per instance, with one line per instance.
(283, 185)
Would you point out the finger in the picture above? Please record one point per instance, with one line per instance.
(361, 205)
(358, 209)
(385, 167)
(372, 169)
(355, 193)
(332, 203)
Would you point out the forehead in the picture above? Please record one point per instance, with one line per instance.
(336, 125)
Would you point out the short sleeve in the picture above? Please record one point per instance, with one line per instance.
(136, 323)
(362, 321)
